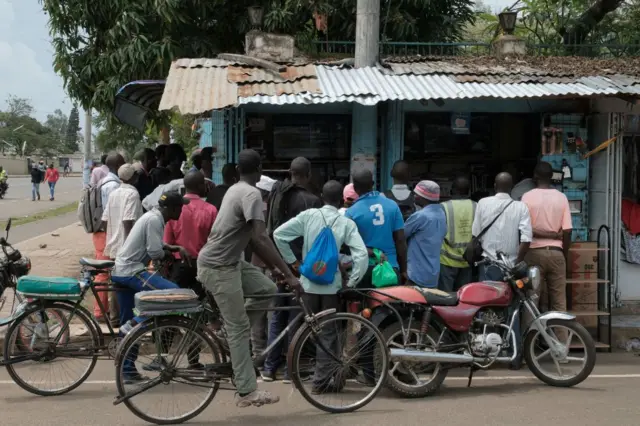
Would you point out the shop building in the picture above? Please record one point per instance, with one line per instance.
(446, 116)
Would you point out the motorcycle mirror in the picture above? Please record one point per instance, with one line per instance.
(8, 227)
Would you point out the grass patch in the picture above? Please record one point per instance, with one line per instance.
(58, 211)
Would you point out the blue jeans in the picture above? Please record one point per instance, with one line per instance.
(279, 321)
(144, 281)
(35, 191)
(52, 187)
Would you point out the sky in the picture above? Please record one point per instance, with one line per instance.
(26, 56)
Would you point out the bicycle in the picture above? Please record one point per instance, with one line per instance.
(180, 313)
(48, 308)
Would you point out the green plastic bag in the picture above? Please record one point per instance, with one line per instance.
(383, 274)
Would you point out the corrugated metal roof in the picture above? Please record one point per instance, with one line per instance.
(201, 62)
(306, 85)
(198, 85)
(198, 90)
(239, 74)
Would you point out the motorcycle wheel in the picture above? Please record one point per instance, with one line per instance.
(401, 377)
(534, 340)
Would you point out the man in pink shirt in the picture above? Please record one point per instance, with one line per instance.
(551, 223)
(191, 230)
(99, 172)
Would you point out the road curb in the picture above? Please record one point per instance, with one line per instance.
(55, 231)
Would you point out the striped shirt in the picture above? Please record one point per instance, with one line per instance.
(512, 227)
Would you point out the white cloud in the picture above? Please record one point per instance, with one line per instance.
(25, 58)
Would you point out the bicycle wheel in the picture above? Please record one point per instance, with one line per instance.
(339, 357)
(173, 352)
(59, 368)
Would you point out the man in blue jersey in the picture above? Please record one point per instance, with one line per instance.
(380, 224)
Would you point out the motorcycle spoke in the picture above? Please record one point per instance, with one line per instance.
(543, 354)
(569, 339)
(415, 376)
(394, 368)
(555, 361)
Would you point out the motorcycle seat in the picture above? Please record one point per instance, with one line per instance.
(97, 264)
(436, 297)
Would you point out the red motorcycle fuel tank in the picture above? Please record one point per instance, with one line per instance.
(487, 293)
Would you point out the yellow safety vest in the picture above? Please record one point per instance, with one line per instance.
(459, 215)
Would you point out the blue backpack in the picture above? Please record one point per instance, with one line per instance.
(321, 262)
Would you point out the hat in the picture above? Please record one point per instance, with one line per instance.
(265, 183)
(428, 189)
(349, 193)
(172, 199)
(126, 171)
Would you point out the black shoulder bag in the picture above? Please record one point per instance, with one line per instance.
(473, 252)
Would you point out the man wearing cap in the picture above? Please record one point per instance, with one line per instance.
(349, 196)
(122, 210)
(144, 244)
(425, 231)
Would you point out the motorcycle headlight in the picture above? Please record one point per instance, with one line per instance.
(534, 278)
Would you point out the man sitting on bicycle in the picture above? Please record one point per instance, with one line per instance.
(144, 244)
(228, 277)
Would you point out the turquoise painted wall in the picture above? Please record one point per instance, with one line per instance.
(364, 132)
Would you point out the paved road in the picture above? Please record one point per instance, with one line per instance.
(18, 200)
(497, 398)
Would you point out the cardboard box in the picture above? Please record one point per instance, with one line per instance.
(583, 259)
(584, 293)
(588, 321)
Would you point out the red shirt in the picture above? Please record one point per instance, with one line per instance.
(192, 229)
(52, 175)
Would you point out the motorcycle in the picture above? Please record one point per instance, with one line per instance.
(13, 265)
(4, 187)
(430, 331)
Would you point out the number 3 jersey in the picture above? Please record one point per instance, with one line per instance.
(377, 218)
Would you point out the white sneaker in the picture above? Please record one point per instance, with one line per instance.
(256, 398)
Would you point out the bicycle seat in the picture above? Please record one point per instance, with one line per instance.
(97, 264)
(436, 297)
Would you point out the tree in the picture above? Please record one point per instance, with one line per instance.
(100, 46)
(72, 130)
(19, 107)
(20, 130)
(113, 136)
(57, 125)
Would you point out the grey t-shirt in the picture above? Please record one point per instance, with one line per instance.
(231, 232)
(143, 244)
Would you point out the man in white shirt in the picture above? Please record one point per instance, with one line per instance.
(510, 233)
(122, 210)
(107, 185)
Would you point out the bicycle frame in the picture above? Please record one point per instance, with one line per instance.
(308, 316)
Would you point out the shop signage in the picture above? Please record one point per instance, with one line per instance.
(460, 123)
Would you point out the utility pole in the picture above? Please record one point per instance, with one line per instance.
(87, 161)
(364, 124)
(367, 33)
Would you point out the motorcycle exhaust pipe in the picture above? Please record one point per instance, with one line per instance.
(399, 355)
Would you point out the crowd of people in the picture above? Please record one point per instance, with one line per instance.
(252, 234)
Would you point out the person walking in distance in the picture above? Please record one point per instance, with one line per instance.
(551, 222)
(459, 212)
(228, 277)
(51, 177)
(425, 231)
(501, 224)
(109, 183)
(36, 179)
(308, 225)
(400, 192)
(287, 200)
(379, 221)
